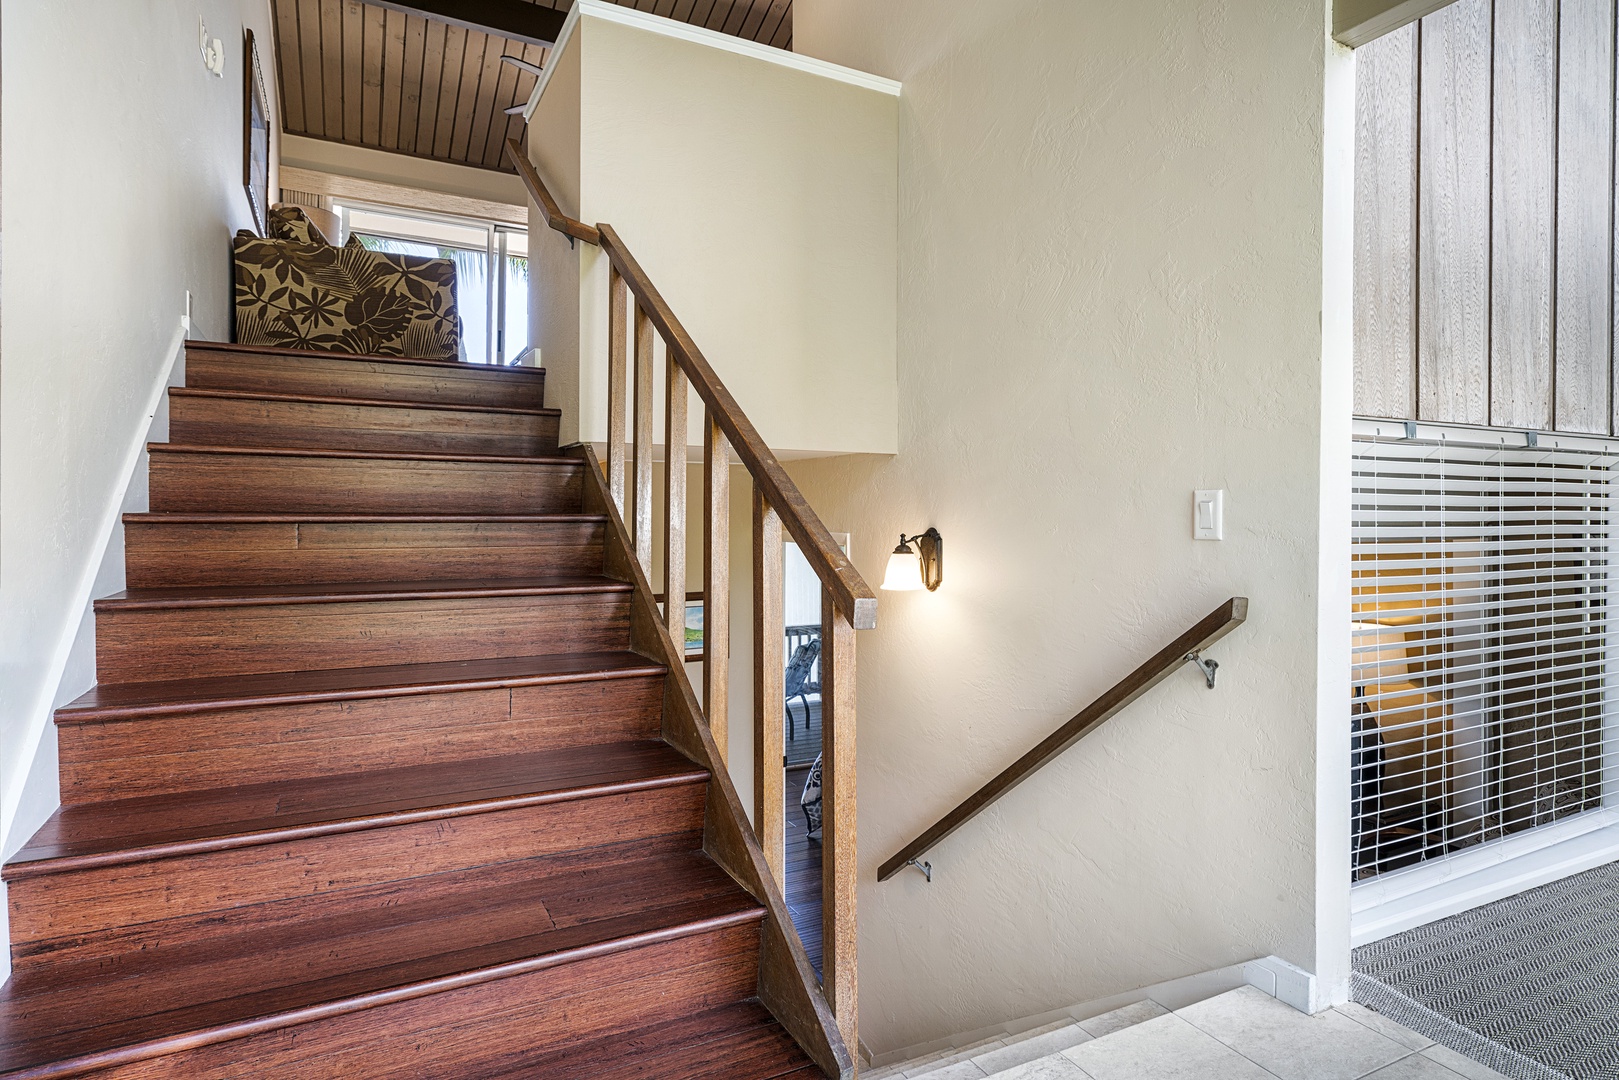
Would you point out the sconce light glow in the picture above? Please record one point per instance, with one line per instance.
(920, 568)
(904, 569)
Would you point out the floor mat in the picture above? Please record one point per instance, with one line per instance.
(1536, 975)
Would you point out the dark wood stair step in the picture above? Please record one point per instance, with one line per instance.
(260, 418)
(96, 874)
(127, 701)
(216, 365)
(138, 739)
(162, 550)
(145, 1004)
(139, 830)
(251, 479)
(147, 635)
(734, 1042)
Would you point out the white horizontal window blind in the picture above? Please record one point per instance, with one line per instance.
(1481, 642)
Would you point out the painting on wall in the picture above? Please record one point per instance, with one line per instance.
(694, 629)
(256, 137)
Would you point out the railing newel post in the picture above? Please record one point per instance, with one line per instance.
(769, 686)
(716, 581)
(674, 499)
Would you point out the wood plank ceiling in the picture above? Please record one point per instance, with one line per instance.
(355, 73)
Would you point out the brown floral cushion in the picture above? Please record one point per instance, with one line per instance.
(291, 223)
(304, 295)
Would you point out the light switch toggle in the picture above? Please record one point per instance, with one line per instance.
(1208, 514)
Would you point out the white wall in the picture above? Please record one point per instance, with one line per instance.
(341, 159)
(759, 197)
(1110, 294)
(121, 171)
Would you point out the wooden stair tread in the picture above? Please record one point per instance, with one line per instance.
(136, 830)
(116, 701)
(734, 1042)
(380, 403)
(372, 455)
(352, 592)
(227, 517)
(146, 1003)
(368, 358)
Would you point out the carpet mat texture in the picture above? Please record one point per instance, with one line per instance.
(1535, 975)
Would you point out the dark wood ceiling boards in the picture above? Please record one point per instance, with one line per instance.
(358, 73)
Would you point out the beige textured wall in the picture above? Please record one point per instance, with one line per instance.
(1110, 282)
(556, 265)
(761, 201)
(122, 184)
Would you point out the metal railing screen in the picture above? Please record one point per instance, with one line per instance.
(1480, 644)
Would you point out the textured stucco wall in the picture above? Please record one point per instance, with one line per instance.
(122, 186)
(760, 199)
(1110, 282)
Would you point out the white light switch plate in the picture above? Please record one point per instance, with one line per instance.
(1208, 514)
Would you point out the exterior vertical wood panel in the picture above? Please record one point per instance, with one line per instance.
(1513, 292)
(1385, 227)
(1584, 297)
(1523, 221)
(1453, 295)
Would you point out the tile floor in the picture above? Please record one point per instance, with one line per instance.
(1241, 1035)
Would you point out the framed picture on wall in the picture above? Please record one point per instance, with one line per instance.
(256, 136)
(693, 640)
(694, 629)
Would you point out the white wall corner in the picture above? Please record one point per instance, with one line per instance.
(30, 790)
(1285, 982)
(1331, 959)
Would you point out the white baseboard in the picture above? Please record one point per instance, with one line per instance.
(1381, 907)
(49, 692)
(1272, 974)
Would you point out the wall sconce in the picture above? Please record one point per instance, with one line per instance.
(922, 568)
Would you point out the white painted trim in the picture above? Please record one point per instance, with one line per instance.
(1287, 983)
(38, 714)
(657, 24)
(1469, 879)
(1473, 435)
(1275, 976)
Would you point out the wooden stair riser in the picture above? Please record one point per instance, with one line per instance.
(489, 1025)
(237, 421)
(102, 910)
(145, 644)
(162, 553)
(207, 932)
(272, 483)
(336, 376)
(198, 751)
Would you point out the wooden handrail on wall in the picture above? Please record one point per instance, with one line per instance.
(637, 313)
(1214, 626)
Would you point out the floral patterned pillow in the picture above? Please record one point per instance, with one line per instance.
(302, 295)
(291, 223)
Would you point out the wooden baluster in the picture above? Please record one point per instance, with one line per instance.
(617, 363)
(839, 933)
(641, 525)
(769, 687)
(674, 501)
(716, 580)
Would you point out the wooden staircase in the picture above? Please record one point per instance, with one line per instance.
(374, 784)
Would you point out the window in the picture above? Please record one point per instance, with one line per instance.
(1480, 598)
(493, 306)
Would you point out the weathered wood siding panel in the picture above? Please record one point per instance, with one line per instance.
(1511, 301)
(1453, 327)
(1523, 221)
(1386, 227)
(1584, 298)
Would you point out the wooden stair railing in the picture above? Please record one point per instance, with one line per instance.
(848, 603)
(1214, 626)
